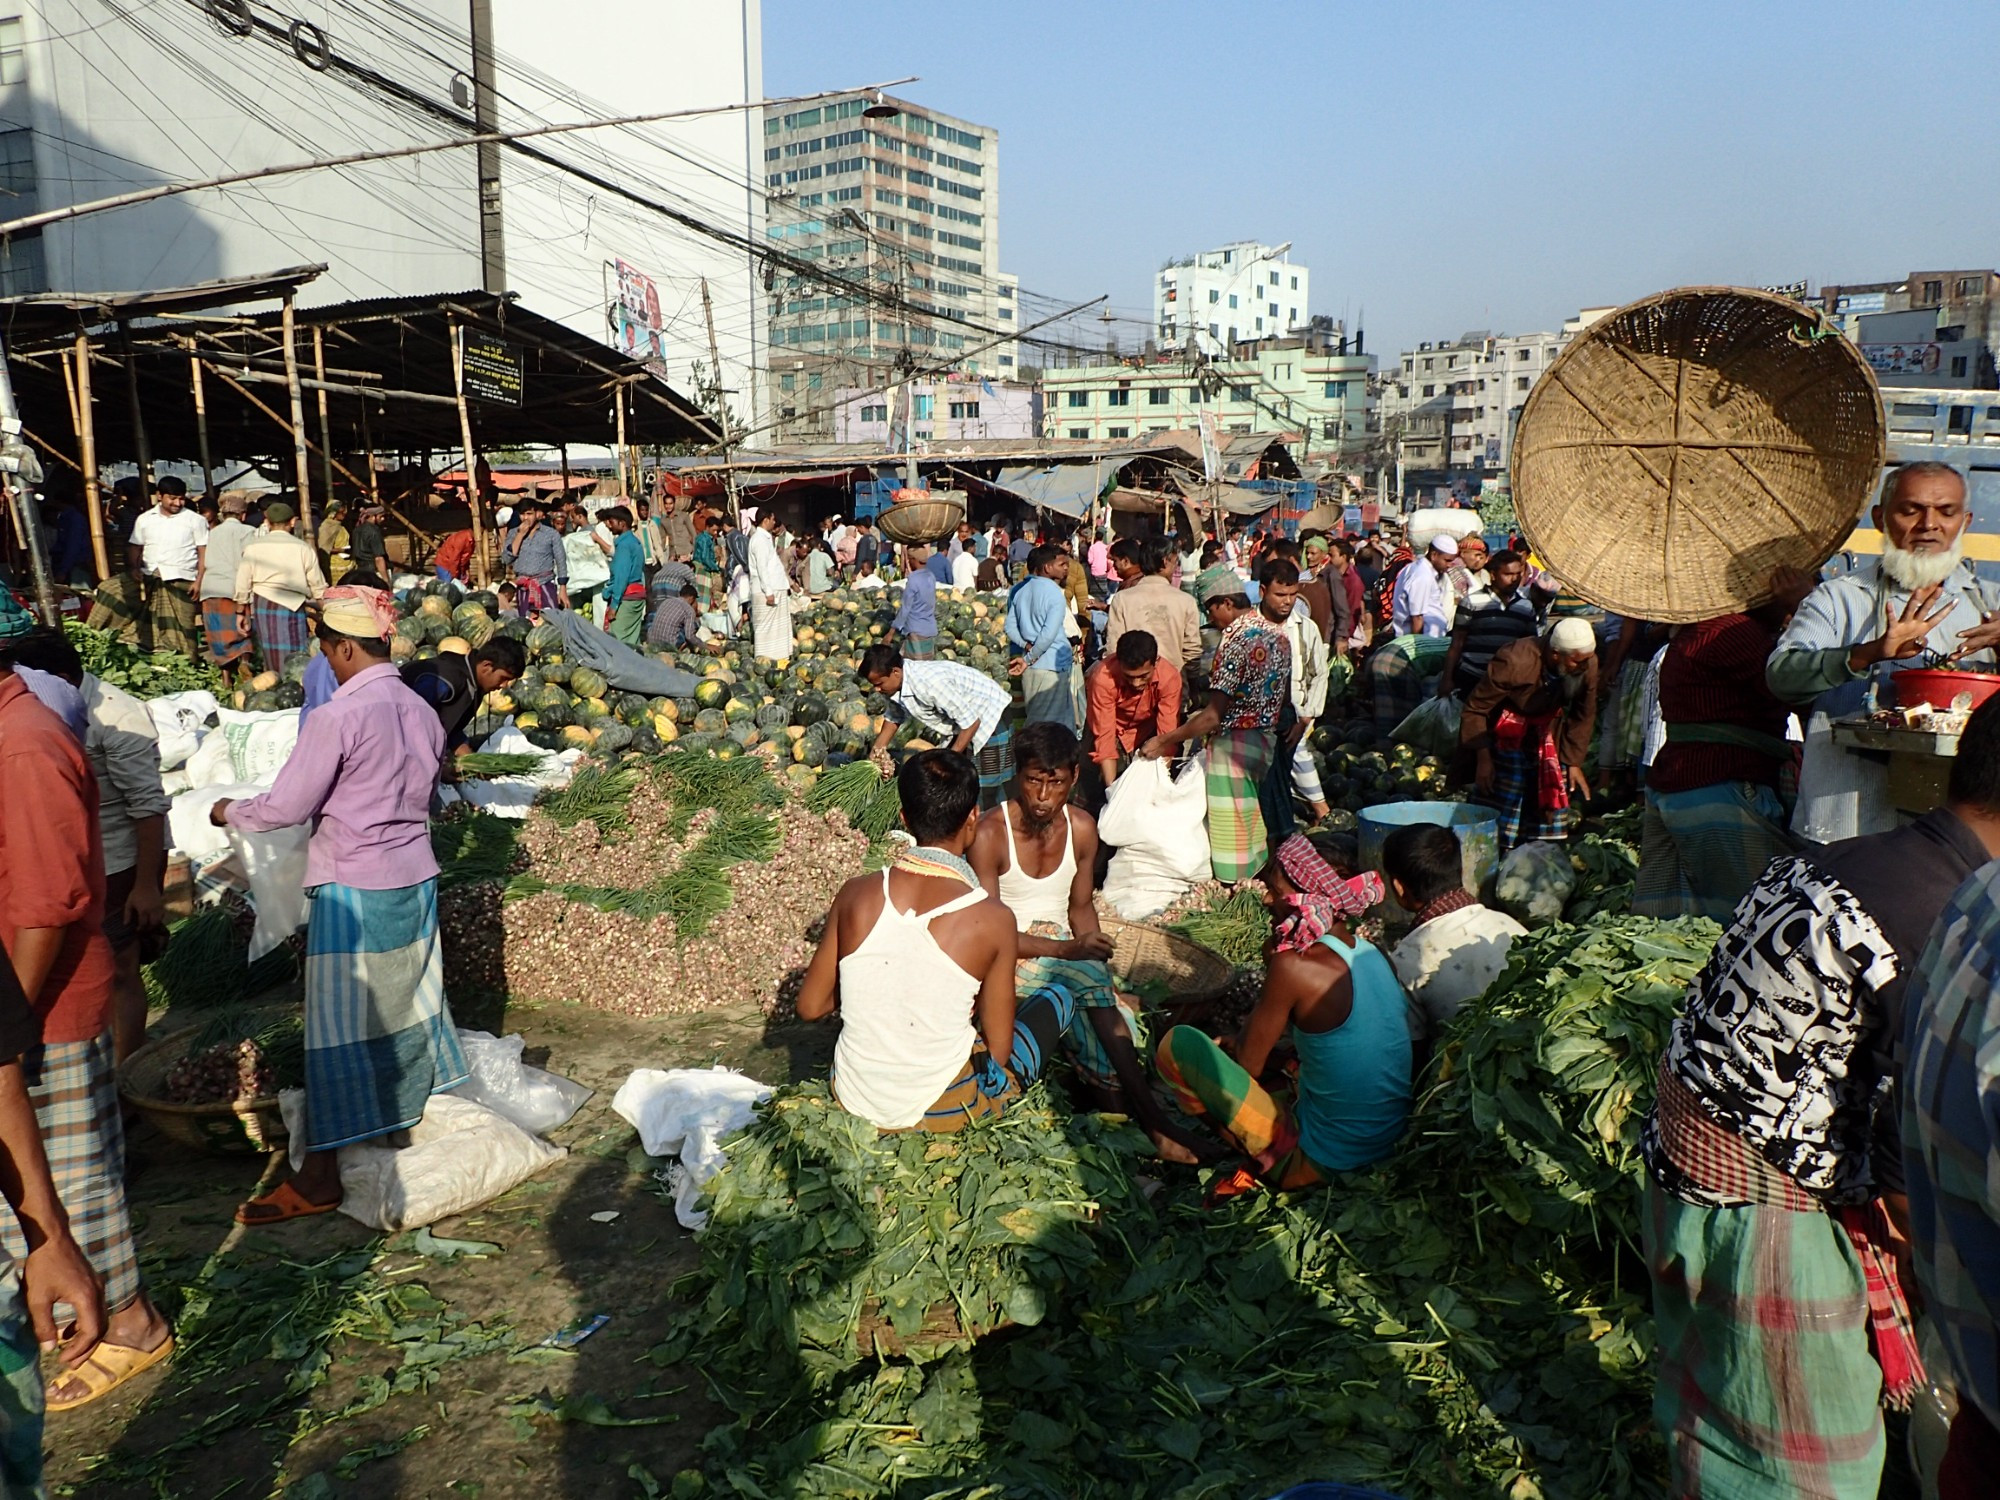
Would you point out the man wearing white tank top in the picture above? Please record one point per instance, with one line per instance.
(1037, 854)
(919, 961)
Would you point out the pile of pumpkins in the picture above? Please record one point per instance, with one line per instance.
(807, 712)
(1359, 769)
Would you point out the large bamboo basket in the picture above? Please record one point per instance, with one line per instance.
(1683, 447)
(921, 522)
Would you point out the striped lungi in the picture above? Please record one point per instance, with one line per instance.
(995, 760)
(228, 641)
(1622, 729)
(1700, 851)
(1765, 1385)
(169, 622)
(119, 606)
(918, 647)
(1089, 985)
(1238, 841)
(1208, 1083)
(379, 1038)
(1402, 673)
(281, 633)
(985, 1089)
(74, 1089)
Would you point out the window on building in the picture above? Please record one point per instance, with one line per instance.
(1274, 278)
(1329, 428)
(1292, 316)
(13, 51)
(1968, 286)
(1006, 359)
(788, 382)
(22, 268)
(921, 408)
(17, 164)
(1520, 354)
(1336, 390)
(875, 413)
(1959, 419)
(1120, 397)
(1427, 364)
(1007, 313)
(1520, 382)
(1274, 309)
(1933, 290)
(1079, 432)
(1232, 299)
(965, 409)
(1239, 393)
(1117, 432)
(1237, 427)
(1078, 398)
(1260, 325)
(1159, 395)
(1430, 390)
(1958, 364)
(1295, 283)
(1215, 330)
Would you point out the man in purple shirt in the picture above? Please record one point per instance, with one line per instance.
(379, 1039)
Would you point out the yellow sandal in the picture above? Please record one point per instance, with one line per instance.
(107, 1367)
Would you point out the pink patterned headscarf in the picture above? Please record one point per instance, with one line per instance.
(1325, 895)
(364, 612)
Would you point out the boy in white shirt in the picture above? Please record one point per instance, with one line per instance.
(1458, 947)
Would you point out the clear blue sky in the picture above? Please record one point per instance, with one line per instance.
(1444, 166)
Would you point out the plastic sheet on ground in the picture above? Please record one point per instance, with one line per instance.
(629, 671)
(460, 1155)
(686, 1112)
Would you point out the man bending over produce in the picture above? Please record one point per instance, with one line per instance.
(965, 708)
(1347, 1020)
(379, 1039)
(1036, 853)
(920, 963)
(1774, 1185)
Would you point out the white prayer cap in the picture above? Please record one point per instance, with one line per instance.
(1573, 635)
(1445, 545)
(504, 516)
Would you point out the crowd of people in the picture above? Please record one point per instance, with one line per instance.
(1821, 1157)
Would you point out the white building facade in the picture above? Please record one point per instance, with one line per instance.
(902, 214)
(97, 100)
(941, 410)
(1220, 298)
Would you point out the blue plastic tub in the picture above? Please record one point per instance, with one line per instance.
(1478, 830)
(1326, 1490)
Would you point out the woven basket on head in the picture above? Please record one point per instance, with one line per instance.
(916, 522)
(1148, 956)
(1683, 447)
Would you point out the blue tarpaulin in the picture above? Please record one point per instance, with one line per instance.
(1066, 489)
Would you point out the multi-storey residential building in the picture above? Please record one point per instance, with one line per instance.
(1285, 386)
(899, 206)
(943, 409)
(1931, 329)
(99, 100)
(1220, 298)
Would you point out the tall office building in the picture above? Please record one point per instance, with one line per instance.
(899, 206)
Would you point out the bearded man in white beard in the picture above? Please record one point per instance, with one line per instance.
(1917, 605)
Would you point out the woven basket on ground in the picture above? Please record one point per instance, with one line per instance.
(918, 522)
(1683, 447)
(243, 1127)
(1166, 961)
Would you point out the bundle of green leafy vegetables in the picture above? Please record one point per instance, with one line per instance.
(1605, 857)
(142, 674)
(1404, 1327)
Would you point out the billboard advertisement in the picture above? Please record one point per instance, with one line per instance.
(637, 324)
(1903, 359)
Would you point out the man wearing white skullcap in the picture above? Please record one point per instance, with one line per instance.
(1420, 604)
(1527, 726)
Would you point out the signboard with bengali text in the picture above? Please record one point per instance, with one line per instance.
(493, 370)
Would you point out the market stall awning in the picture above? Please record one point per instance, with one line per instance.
(1066, 489)
(1232, 499)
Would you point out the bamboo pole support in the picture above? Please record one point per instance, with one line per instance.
(86, 445)
(201, 419)
(325, 426)
(471, 458)
(303, 467)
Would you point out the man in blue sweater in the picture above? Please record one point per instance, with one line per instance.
(1037, 614)
(916, 621)
(625, 593)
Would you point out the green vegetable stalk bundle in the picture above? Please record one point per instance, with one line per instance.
(1606, 861)
(140, 673)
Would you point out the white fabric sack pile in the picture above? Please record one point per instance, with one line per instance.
(1158, 823)
(460, 1155)
(180, 723)
(687, 1112)
(259, 743)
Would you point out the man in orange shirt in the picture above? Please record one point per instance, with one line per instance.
(1129, 697)
(52, 924)
(454, 557)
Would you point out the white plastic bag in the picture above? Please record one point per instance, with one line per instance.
(188, 828)
(460, 1155)
(275, 865)
(1432, 727)
(1535, 882)
(1140, 884)
(180, 720)
(1166, 815)
(686, 1112)
(259, 743)
(533, 1099)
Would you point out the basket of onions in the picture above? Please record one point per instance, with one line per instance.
(215, 1086)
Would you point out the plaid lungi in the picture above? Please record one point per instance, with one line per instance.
(228, 641)
(281, 633)
(1089, 985)
(1765, 1384)
(995, 760)
(118, 606)
(1528, 788)
(918, 647)
(1402, 673)
(1700, 851)
(985, 1089)
(1623, 728)
(379, 1038)
(170, 622)
(74, 1089)
(1238, 762)
(1209, 1083)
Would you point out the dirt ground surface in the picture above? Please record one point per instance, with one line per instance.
(320, 1359)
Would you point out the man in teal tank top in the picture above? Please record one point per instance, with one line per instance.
(1336, 1000)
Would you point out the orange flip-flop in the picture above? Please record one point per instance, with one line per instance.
(286, 1203)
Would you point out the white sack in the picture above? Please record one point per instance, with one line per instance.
(180, 721)
(210, 764)
(259, 743)
(275, 865)
(1149, 808)
(534, 1099)
(686, 1112)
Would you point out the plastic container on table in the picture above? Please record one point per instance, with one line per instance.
(1478, 830)
(1938, 688)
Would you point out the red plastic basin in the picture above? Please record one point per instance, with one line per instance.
(1938, 688)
